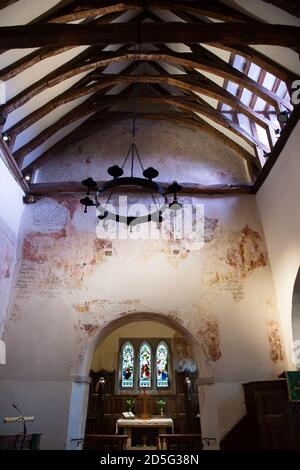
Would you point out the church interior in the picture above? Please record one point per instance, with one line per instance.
(149, 225)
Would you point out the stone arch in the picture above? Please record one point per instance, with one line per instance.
(79, 396)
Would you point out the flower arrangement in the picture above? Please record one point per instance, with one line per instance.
(161, 405)
(130, 402)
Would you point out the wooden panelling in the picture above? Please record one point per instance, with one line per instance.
(106, 406)
(271, 423)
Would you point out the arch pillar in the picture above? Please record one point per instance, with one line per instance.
(296, 322)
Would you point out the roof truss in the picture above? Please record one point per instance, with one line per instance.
(192, 84)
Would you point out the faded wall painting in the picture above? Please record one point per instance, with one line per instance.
(72, 282)
(7, 260)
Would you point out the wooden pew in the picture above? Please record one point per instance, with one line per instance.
(105, 442)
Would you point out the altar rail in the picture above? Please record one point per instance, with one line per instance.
(179, 442)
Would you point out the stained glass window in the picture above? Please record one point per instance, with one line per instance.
(145, 365)
(127, 365)
(162, 375)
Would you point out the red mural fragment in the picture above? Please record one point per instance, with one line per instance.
(276, 349)
(210, 335)
(247, 254)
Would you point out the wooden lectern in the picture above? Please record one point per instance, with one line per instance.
(20, 441)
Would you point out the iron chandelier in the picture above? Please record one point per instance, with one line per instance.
(119, 182)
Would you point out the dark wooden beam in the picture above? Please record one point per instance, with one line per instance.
(59, 35)
(291, 6)
(86, 129)
(248, 52)
(277, 149)
(203, 85)
(88, 61)
(72, 116)
(210, 8)
(35, 57)
(241, 78)
(198, 83)
(184, 103)
(9, 161)
(180, 81)
(109, 118)
(50, 189)
(6, 3)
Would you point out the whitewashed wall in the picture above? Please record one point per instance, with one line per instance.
(279, 201)
(11, 209)
(69, 284)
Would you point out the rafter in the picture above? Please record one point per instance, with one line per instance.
(81, 12)
(211, 8)
(246, 51)
(63, 72)
(72, 116)
(6, 156)
(195, 105)
(74, 92)
(291, 6)
(6, 3)
(201, 85)
(86, 109)
(35, 57)
(86, 129)
(36, 35)
(188, 60)
(105, 81)
(79, 64)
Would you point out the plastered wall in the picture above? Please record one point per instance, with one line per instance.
(69, 284)
(11, 208)
(278, 202)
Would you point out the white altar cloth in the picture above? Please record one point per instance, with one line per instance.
(152, 422)
(161, 423)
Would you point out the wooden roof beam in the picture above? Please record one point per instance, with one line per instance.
(194, 105)
(204, 86)
(6, 3)
(198, 83)
(84, 110)
(291, 6)
(35, 57)
(72, 116)
(60, 35)
(211, 8)
(248, 52)
(87, 61)
(48, 189)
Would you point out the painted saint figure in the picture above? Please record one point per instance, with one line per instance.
(127, 365)
(145, 366)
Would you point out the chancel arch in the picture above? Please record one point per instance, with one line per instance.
(136, 322)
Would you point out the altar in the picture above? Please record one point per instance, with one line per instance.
(154, 425)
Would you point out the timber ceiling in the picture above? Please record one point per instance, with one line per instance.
(225, 68)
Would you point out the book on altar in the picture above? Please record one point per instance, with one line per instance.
(128, 415)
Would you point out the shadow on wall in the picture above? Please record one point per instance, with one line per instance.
(296, 321)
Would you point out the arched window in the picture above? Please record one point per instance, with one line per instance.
(127, 360)
(162, 359)
(145, 373)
